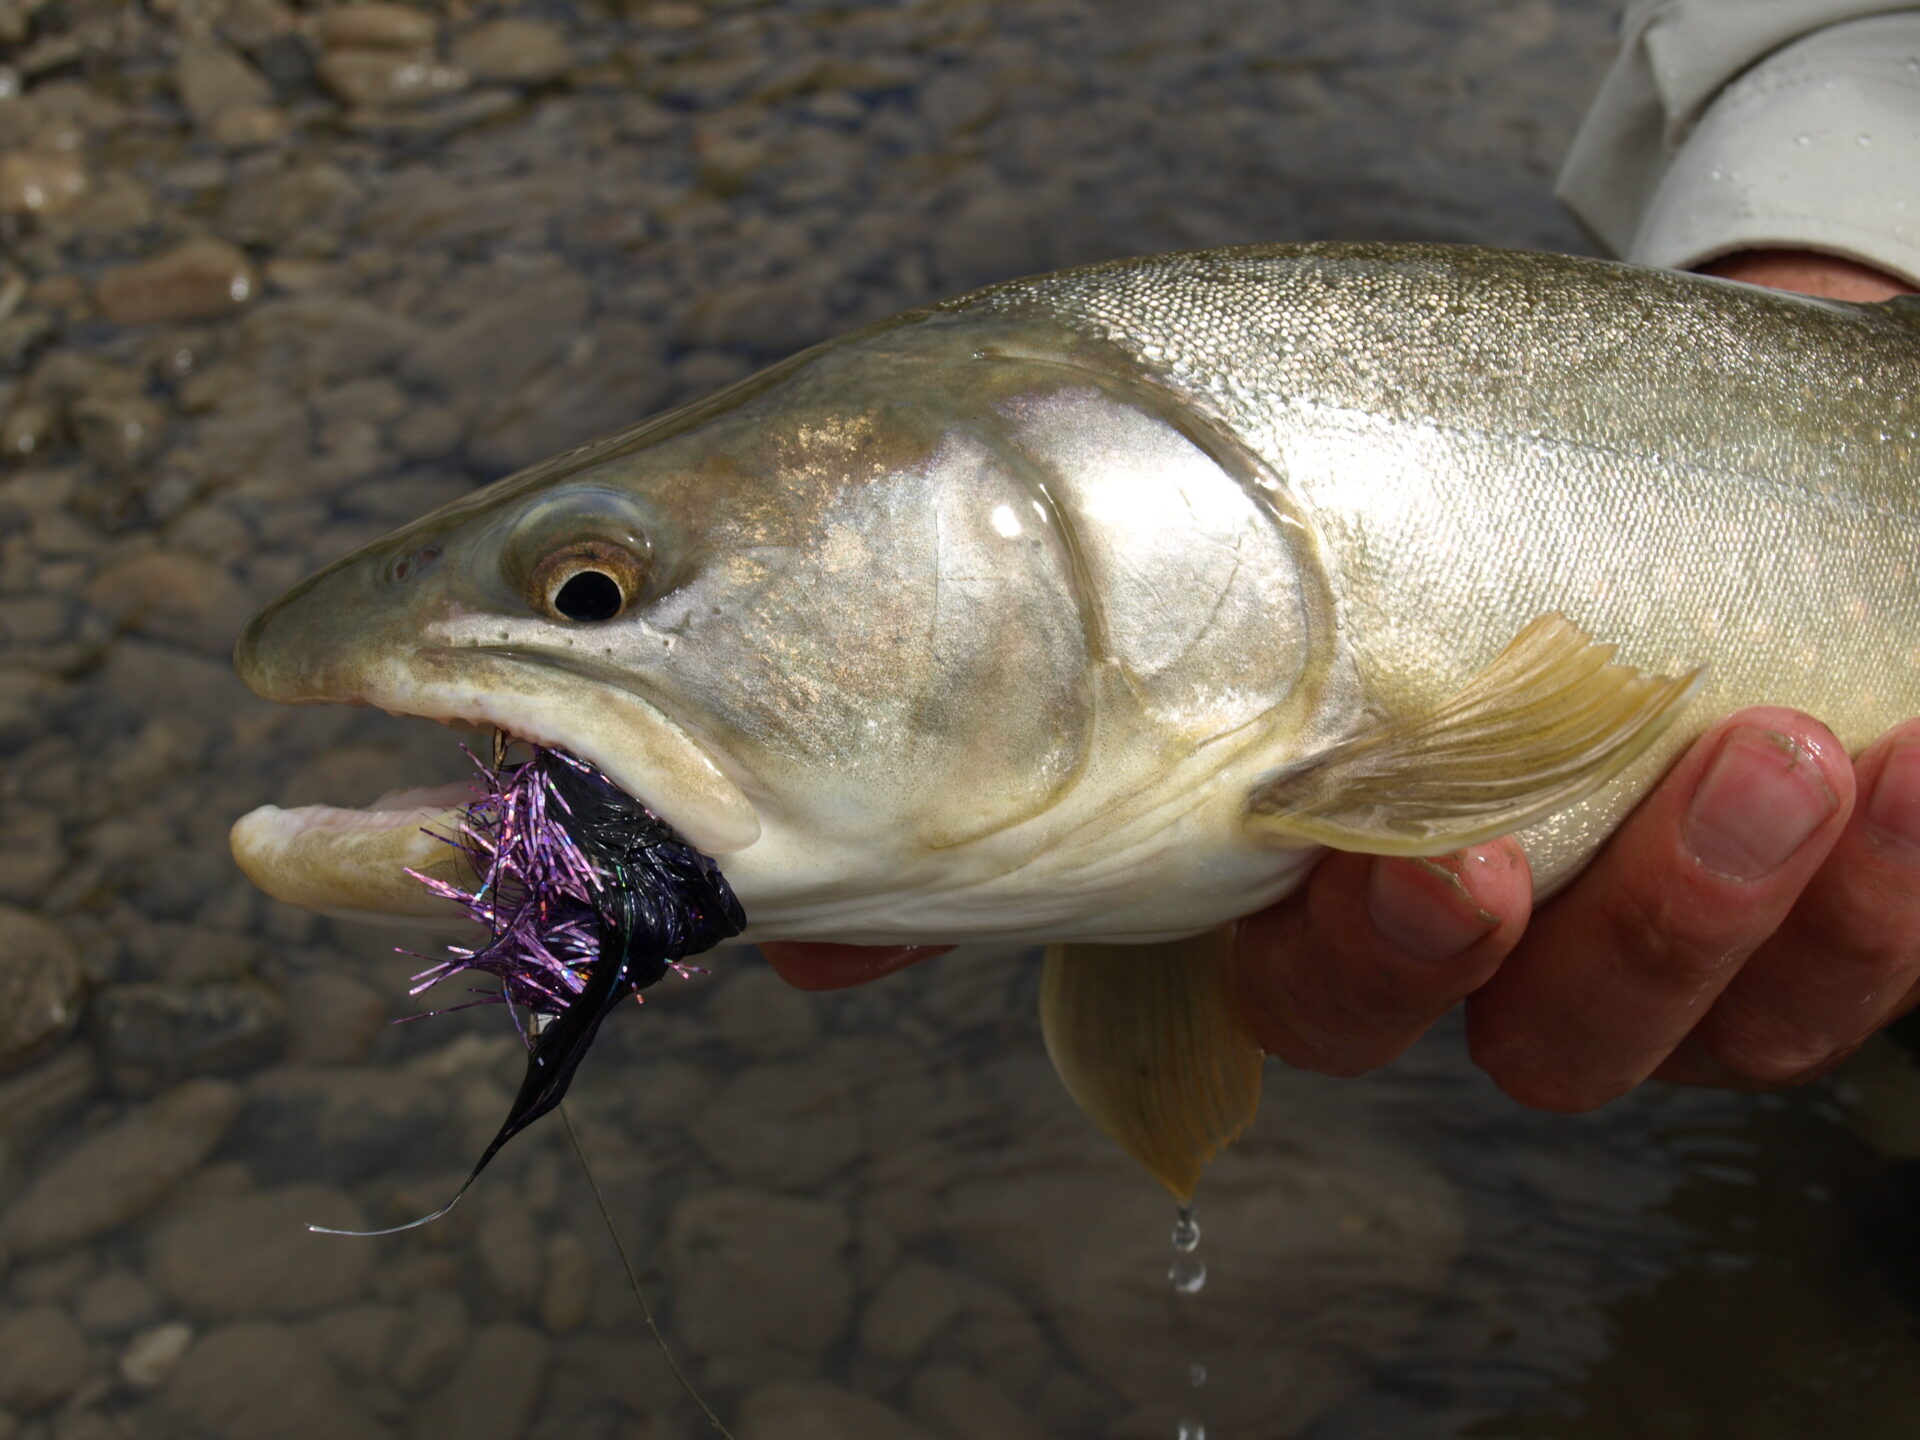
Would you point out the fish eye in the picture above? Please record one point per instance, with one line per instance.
(587, 581)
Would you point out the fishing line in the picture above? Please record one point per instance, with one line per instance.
(646, 1313)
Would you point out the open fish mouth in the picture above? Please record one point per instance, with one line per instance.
(355, 862)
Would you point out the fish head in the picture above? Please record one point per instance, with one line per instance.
(822, 624)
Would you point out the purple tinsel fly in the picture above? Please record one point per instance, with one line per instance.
(538, 896)
(587, 897)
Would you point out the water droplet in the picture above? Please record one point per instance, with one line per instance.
(1186, 1231)
(1865, 140)
(1192, 1430)
(1803, 139)
(1914, 65)
(1187, 1274)
(1716, 173)
(1196, 1375)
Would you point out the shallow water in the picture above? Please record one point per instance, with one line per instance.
(872, 1214)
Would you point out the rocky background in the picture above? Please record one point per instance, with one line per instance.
(275, 277)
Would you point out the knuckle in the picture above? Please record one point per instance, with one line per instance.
(1665, 942)
(1535, 1084)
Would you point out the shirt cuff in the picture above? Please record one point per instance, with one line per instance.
(1814, 148)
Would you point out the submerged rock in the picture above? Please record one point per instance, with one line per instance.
(817, 1410)
(257, 1379)
(154, 1035)
(522, 52)
(41, 984)
(43, 1359)
(120, 1172)
(233, 1256)
(199, 280)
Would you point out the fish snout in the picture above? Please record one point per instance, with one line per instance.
(316, 642)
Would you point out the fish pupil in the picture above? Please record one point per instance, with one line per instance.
(589, 595)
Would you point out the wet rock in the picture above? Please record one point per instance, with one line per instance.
(43, 1359)
(518, 52)
(509, 1248)
(212, 80)
(120, 1172)
(35, 184)
(957, 100)
(566, 1297)
(285, 206)
(432, 122)
(384, 78)
(242, 1256)
(502, 341)
(172, 596)
(28, 430)
(961, 1405)
(116, 206)
(320, 341)
(359, 1339)
(52, 1282)
(41, 985)
(152, 1355)
(118, 431)
(199, 280)
(428, 432)
(151, 1036)
(40, 1098)
(757, 1012)
(791, 1124)
(333, 1020)
(376, 25)
(493, 1394)
(912, 1305)
(248, 127)
(257, 1379)
(432, 1340)
(818, 1410)
(760, 1282)
(339, 1124)
(114, 1303)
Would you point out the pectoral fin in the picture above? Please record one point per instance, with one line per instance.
(1546, 724)
(1145, 1039)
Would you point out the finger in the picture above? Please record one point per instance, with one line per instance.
(1614, 973)
(813, 965)
(1841, 964)
(1344, 977)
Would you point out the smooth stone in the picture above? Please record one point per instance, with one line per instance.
(333, 1020)
(760, 1282)
(509, 1248)
(248, 127)
(257, 1379)
(962, 1405)
(211, 80)
(792, 1124)
(758, 1013)
(116, 1174)
(495, 1391)
(388, 78)
(200, 280)
(360, 1338)
(152, 1355)
(517, 52)
(428, 432)
(432, 1341)
(30, 429)
(114, 1303)
(151, 1036)
(377, 25)
(819, 1410)
(43, 1359)
(913, 1304)
(36, 1101)
(37, 184)
(235, 1256)
(42, 985)
(172, 595)
(119, 431)
(340, 1124)
(566, 1296)
(502, 341)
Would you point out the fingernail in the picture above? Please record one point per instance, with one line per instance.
(1893, 810)
(1761, 798)
(1424, 909)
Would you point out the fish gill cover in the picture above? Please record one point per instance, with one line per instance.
(587, 897)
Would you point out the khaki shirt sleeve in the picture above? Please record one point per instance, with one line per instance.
(1740, 124)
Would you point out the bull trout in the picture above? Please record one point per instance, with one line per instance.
(1089, 609)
